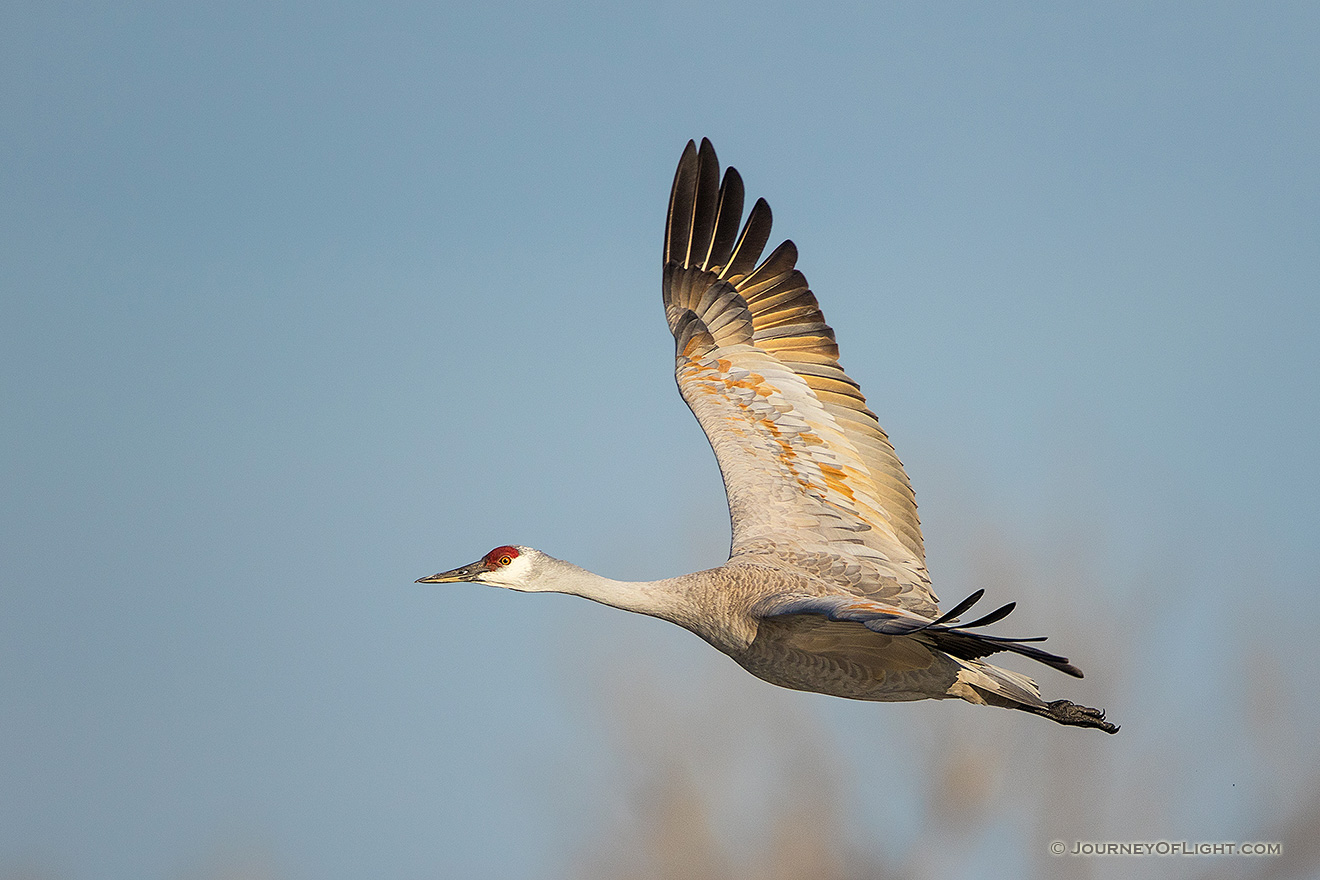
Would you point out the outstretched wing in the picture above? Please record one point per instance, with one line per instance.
(810, 475)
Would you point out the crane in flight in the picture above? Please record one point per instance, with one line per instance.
(826, 587)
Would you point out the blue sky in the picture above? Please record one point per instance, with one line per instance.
(304, 301)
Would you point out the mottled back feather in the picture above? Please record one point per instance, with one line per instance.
(811, 477)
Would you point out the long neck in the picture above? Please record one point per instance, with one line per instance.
(697, 602)
(662, 599)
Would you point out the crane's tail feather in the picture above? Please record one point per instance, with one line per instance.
(1012, 688)
(942, 633)
(956, 640)
(971, 646)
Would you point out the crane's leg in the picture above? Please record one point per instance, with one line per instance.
(1067, 712)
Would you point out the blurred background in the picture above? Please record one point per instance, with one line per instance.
(302, 301)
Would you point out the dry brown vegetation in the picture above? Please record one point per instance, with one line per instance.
(713, 775)
(729, 778)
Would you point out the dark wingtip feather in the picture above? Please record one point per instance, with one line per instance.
(959, 608)
(993, 617)
(682, 196)
(958, 642)
(780, 262)
(755, 233)
(727, 218)
(705, 205)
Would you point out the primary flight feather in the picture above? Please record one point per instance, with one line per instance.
(826, 586)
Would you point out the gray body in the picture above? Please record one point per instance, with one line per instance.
(826, 588)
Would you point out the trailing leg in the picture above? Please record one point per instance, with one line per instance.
(1067, 712)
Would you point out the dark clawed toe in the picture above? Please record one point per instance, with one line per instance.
(1068, 712)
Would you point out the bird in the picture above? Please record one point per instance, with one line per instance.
(826, 588)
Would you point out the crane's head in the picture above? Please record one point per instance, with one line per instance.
(511, 567)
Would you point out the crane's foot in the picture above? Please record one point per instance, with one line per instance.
(1068, 712)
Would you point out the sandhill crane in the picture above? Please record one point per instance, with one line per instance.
(826, 587)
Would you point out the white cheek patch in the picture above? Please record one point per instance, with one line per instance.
(516, 574)
(518, 569)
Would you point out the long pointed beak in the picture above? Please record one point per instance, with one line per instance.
(467, 573)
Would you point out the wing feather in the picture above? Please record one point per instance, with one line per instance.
(811, 477)
(943, 633)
